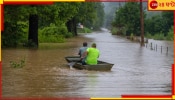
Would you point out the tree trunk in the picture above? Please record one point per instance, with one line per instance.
(33, 30)
(68, 24)
(71, 26)
(75, 26)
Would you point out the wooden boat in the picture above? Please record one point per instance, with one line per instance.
(75, 62)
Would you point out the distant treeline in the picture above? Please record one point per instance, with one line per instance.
(55, 22)
(127, 22)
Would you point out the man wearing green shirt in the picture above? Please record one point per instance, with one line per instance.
(92, 55)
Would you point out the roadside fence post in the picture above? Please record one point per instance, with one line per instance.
(151, 46)
(161, 49)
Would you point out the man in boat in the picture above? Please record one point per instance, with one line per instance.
(81, 52)
(92, 55)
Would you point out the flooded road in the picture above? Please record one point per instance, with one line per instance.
(136, 70)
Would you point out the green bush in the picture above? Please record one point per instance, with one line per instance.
(10, 40)
(87, 30)
(14, 34)
(170, 35)
(53, 33)
(68, 35)
(118, 31)
(51, 39)
(148, 35)
(24, 31)
(114, 30)
(80, 30)
(84, 30)
(159, 36)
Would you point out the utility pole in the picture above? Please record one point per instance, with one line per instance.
(141, 24)
(119, 23)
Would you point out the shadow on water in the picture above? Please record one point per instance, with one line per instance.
(137, 70)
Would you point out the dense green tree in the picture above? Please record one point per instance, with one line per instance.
(59, 14)
(90, 14)
(168, 21)
(154, 25)
(128, 17)
(52, 21)
(80, 17)
(13, 25)
(87, 14)
(159, 24)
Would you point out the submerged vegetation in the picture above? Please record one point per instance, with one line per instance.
(19, 64)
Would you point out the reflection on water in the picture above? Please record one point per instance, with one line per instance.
(137, 70)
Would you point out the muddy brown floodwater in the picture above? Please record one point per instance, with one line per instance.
(137, 70)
